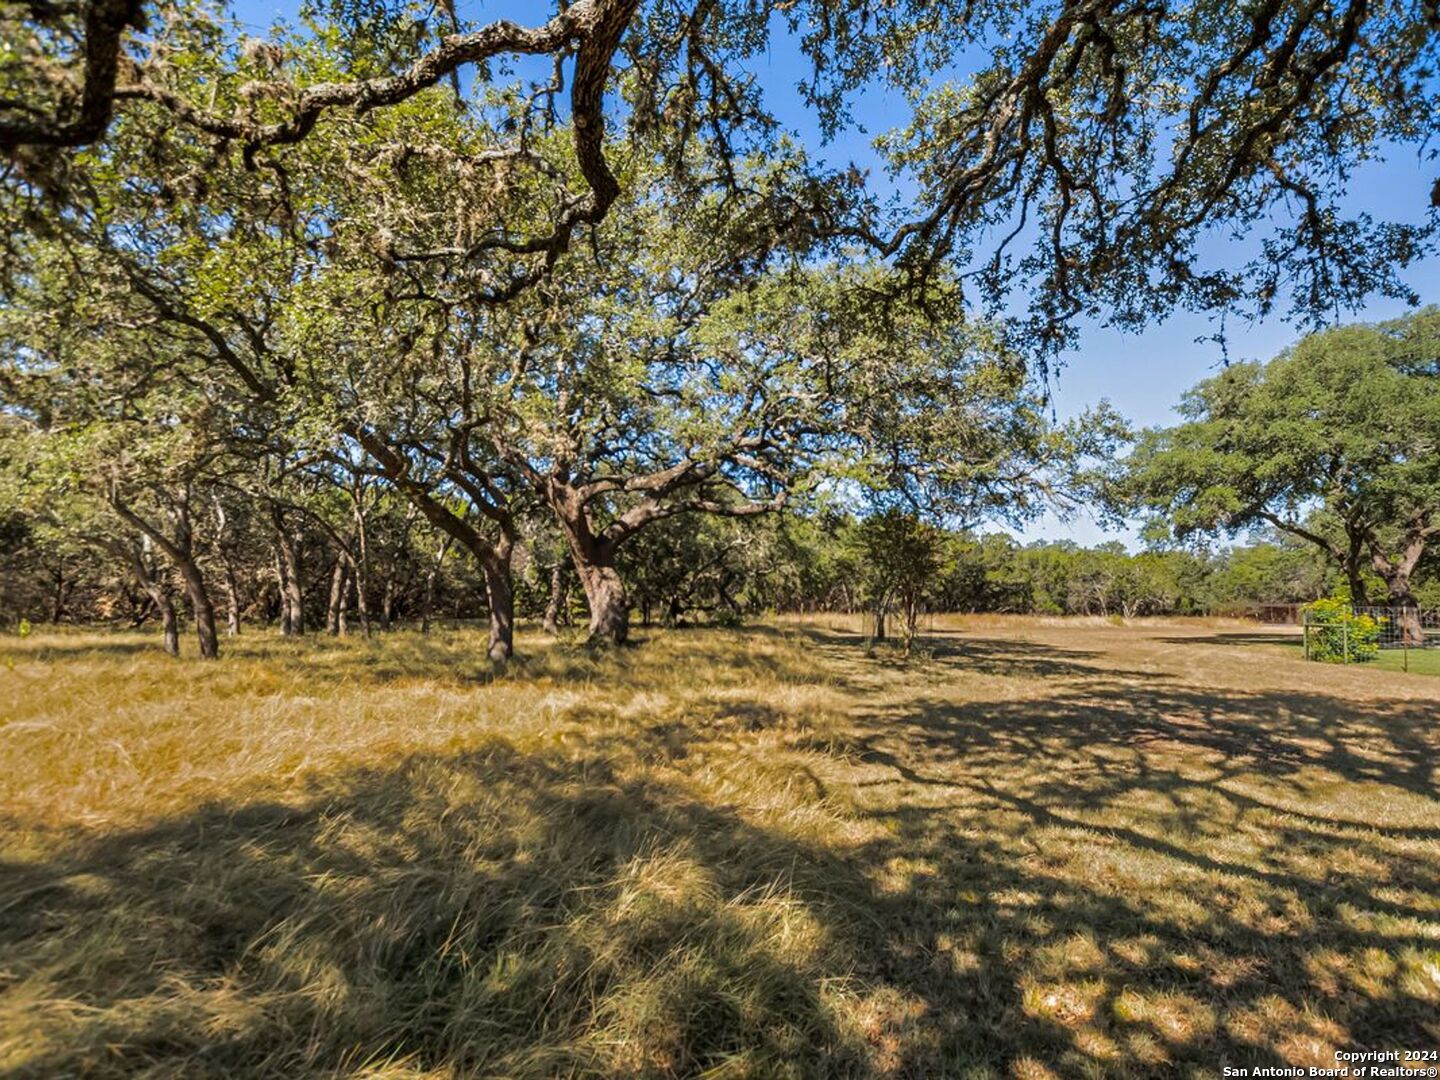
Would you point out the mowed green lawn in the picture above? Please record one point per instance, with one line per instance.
(1418, 662)
(1039, 849)
(1414, 661)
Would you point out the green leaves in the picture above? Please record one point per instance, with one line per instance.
(1346, 422)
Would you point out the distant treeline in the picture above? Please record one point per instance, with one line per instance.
(688, 569)
(819, 565)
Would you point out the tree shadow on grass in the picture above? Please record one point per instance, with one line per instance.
(489, 914)
(1275, 733)
(1278, 637)
(18, 650)
(987, 888)
(1006, 657)
(454, 658)
(500, 914)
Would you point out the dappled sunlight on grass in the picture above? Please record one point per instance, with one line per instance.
(1031, 850)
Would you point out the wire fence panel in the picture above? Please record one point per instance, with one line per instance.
(1405, 628)
(1366, 630)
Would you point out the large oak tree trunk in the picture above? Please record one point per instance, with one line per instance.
(1397, 574)
(609, 605)
(594, 560)
(1407, 619)
(1412, 630)
(1358, 592)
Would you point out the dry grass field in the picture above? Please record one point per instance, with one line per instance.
(1037, 849)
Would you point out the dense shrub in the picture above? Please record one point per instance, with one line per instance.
(1336, 635)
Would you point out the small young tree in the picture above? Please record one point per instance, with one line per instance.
(902, 558)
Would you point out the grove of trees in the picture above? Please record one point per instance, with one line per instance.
(1336, 443)
(398, 312)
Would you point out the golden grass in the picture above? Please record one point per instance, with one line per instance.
(1041, 848)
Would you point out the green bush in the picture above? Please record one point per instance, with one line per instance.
(1336, 635)
(727, 618)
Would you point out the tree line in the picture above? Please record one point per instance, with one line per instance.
(373, 317)
(293, 576)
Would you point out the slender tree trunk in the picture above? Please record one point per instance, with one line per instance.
(201, 607)
(336, 605)
(360, 564)
(57, 600)
(169, 625)
(912, 622)
(183, 555)
(232, 586)
(359, 588)
(232, 599)
(550, 624)
(180, 551)
(345, 603)
(432, 574)
(287, 577)
(159, 595)
(494, 558)
(500, 595)
(292, 598)
(427, 601)
(387, 603)
(281, 596)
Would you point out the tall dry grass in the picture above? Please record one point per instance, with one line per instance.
(1036, 850)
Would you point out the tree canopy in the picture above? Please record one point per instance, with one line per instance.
(1074, 152)
(1336, 441)
(548, 288)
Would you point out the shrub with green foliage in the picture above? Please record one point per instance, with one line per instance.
(1336, 635)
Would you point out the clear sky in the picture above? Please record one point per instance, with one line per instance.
(1142, 375)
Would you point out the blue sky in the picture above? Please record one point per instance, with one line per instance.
(1143, 375)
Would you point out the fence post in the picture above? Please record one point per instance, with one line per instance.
(1345, 640)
